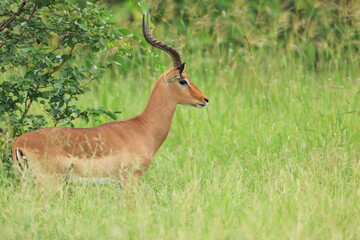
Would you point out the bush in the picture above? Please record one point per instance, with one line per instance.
(49, 52)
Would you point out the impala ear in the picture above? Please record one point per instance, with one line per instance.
(181, 68)
(169, 78)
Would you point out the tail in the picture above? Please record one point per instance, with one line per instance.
(21, 160)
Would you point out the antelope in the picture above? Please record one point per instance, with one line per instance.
(115, 150)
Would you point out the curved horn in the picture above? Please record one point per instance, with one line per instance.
(156, 43)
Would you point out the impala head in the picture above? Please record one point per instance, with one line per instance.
(175, 80)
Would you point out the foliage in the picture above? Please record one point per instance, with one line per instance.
(50, 52)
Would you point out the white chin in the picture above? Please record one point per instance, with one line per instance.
(198, 105)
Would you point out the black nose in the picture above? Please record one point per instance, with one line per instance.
(206, 100)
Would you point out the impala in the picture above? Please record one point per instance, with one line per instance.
(115, 150)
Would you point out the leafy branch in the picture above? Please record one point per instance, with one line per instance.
(39, 50)
(5, 23)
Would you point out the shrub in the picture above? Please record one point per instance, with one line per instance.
(49, 52)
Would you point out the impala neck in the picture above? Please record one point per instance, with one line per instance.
(158, 115)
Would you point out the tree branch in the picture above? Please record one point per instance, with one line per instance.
(31, 14)
(28, 105)
(5, 23)
(13, 18)
(63, 115)
(65, 60)
(58, 46)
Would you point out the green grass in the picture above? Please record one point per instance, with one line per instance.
(274, 156)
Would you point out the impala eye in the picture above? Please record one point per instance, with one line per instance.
(183, 82)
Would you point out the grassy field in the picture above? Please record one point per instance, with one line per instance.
(274, 156)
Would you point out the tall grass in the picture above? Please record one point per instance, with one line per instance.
(274, 156)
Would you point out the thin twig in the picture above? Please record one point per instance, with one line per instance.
(76, 117)
(87, 83)
(65, 60)
(69, 34)
(28, 105)
(65, 110)
(31, 14)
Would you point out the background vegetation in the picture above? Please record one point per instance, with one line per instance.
(274, 156)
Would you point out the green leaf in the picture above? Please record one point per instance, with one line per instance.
(143, 7)
(118, 60)
(111, 115)
(33, 64)
(82, 24)
(126, 32)
(14, 7)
